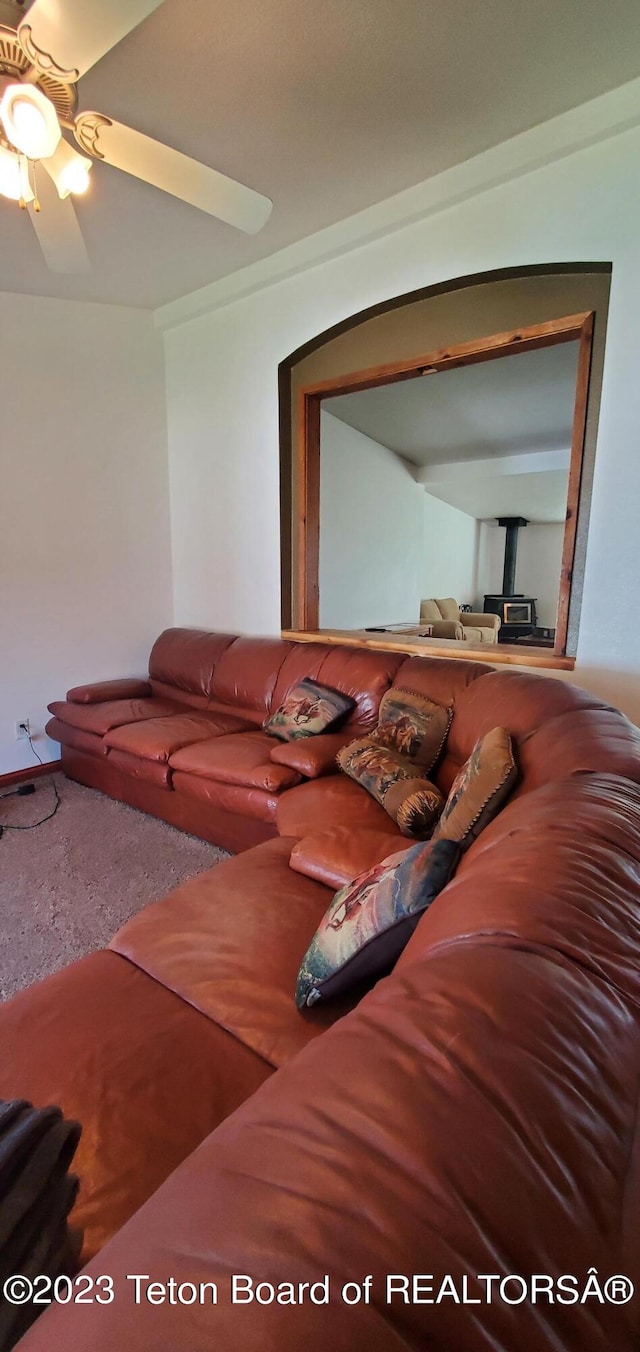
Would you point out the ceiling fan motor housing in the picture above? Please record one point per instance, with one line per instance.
(15, 65)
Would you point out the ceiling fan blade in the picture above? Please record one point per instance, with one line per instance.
(175, 173)
(58, 231)
(65, 38)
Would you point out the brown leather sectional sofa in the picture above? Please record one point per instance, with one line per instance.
(472, 1118)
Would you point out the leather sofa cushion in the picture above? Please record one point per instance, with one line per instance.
(242, 758)
(68, 736)
(312, 756)
(577, 741)
(303, 659)
(232, 798)
(520, 701)
(247, 672)
(233, 958)
(334, 800)
(186, 658)
(338, 856)
(543, 875)
(151, 771)
(185, 698)
(127, 688)
(381, 1144)
(440, 679)
(146, 1075)
(101, 718)
(158, 738)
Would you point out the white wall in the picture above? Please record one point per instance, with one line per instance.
(370, 531)
(222, 379)
(538, 564)
(450, 552)
(85, 561)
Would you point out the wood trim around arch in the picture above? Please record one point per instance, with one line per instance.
(566, 329)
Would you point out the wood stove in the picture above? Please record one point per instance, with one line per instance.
(517, 612)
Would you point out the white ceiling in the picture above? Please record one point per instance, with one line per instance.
(538, 497)
(512, 405)
(325, 107)
(466, 431)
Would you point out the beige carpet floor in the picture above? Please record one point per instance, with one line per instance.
(66, 887)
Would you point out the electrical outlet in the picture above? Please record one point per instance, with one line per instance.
(23, 731)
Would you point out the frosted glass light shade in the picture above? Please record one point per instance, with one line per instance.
(14, 181)
(30, 121)
(68, 169)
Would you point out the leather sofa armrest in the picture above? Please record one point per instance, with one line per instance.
(338, 856)
(480, 620)
(313, 756)
(446, 628)
(130, 687)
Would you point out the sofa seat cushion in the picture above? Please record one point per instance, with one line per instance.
(235, 798)
(68, 736)
(217, 944)
(380, 1147)
(239, 758)
(158, 738)
(145, 1074)
(152, 772)
(116, 713)
(332, 801)
(337, 857)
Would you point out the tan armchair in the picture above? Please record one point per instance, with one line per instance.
(477, 627)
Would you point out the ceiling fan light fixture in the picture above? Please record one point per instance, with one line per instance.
(30, 121)
(14, 179)
(68, 169)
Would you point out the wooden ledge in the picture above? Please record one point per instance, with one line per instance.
(496, 654)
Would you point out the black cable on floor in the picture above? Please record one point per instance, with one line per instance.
(5, 826)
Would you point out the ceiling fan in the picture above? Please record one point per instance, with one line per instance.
(43, 54)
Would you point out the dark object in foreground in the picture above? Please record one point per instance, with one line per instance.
(36, 1196)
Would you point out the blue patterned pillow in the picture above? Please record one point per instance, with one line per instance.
(369, 921)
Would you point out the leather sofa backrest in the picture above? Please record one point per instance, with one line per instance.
(558, 728)
(582, 739)
(441, 679)
(359, 672)
(185, 659)
(524, 703)
(246, 674)
(540, 877)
